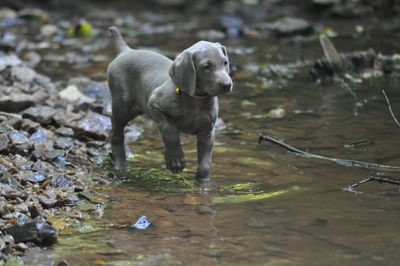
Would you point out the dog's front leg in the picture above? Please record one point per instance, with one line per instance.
(205, 143)
(173, 154)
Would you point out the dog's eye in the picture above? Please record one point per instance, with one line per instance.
(207, 66)
(226, 63)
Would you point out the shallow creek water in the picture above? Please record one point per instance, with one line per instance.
(303, 216)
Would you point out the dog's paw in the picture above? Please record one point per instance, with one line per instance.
(203, 174)
(175, 161)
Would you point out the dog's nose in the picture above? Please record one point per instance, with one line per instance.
(226, 86)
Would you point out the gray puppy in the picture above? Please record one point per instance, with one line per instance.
(179, 96)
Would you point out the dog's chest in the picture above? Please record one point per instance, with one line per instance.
(194, 119)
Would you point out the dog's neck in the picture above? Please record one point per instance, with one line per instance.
(178, 91)
(200, 97)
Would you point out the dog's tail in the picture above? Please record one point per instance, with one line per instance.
(119, 43)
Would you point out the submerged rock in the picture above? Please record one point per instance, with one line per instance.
(289, 26)
(39, 233)
(232, 26)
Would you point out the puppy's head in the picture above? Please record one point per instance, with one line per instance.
(202, 69)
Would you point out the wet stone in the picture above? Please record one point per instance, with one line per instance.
(63, 143)
(205, 210)
(6, 129)
(233, 26)
(67, 119)
(93, 125)
(59, 161)
(39, 136)
(73, 94)
(18, 137)
(290, 26)
(60, 181)
(41, 167)
(257, 223)
(133, 133)
(29, 125)
(9, 192)
(4, 142)
(65, 131)
(22, 74)
(16, 102)
(46, 152)
(48, 200)
(35, 210)
(42, 114)
(39, 233)
(30, 177)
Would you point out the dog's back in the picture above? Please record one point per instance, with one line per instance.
(142, 70)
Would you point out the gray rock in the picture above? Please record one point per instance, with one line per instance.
(22, 74)
(61, 181)
(205, 210)
(232, 26)
(18, 137)
(8, 60)
(4, 141)
(39, 233)
(40, 136)
(133, 133)
(257, 223)
(30, 177)
(67, 119)
(19, 142)
(41, 114)
(35, 209)
(46, 152)
(290, 26)
(93, 125)
(326, 2)
(95, 96)
(65, 131)
(16, 102)
(29, 125)
(63, 143)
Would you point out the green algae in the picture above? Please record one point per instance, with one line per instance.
(160, 180)
(242, 198)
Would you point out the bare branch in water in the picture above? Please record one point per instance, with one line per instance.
(390, 108)
(379, 179)
(343, 162)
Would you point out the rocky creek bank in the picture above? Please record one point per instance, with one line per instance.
(52, 137)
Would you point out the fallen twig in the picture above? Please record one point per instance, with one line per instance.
(390, 108)
(379, 179)
(11, 115)
(343, 162)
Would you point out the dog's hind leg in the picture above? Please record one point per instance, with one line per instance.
(121, 115)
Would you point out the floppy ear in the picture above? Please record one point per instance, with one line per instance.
(223, 48)
(183, 73)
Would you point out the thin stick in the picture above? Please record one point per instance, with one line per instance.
(343, 162)
(390, 108)
(11, 115)
(379, 179)
(346, 86)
